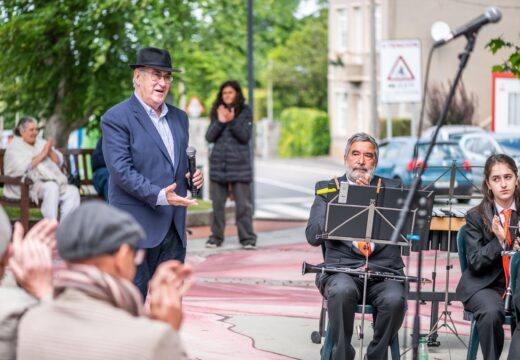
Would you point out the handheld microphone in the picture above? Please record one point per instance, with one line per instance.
(192, 167)
(491, 15)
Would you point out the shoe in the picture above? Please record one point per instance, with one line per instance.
(249, 245)
(212, 243)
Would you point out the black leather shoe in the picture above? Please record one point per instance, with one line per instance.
(212, 243)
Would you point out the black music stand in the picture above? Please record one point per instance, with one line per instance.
(368, 214)
(442, 320)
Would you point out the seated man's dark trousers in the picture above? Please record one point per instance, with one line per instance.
(343, 293)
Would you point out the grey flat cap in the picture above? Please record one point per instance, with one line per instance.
(94, 229)
(5, 231)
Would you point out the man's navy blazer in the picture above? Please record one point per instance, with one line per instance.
(140, 166)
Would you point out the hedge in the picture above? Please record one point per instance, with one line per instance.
(304, 132)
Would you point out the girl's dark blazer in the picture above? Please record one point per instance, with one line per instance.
(483, 254)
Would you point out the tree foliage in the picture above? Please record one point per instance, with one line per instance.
(218, 51)
(300, 66)
(66, 61)
(304, 132)
(511, 62)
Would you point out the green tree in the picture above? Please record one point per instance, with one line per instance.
(66, 61)
(219, 51)
(300, 66)
(512, 62)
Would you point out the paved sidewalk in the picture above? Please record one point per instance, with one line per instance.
(257, 305)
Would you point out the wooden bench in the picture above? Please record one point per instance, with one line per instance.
(24, 203)
(74, 159)
(79, 160)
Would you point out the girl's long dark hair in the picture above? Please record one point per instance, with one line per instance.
(485, 207)
(238, 104)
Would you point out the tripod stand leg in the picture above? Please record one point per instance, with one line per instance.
(432, 337)
(361, 329)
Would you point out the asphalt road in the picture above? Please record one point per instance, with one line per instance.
(284, 188)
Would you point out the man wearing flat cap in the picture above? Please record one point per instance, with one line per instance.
(144, 145)
(97, 312)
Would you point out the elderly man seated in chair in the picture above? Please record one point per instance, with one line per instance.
(342, 291)
(32, 156)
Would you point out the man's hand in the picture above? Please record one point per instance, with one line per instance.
(166, 289)
(31, 260)
(176, 200)
(198, 178)
(363, 180)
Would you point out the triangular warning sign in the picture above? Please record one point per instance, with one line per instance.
(400, 71)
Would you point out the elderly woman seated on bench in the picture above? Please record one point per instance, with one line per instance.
(32, 156)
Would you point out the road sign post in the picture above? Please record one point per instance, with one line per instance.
(400, 73)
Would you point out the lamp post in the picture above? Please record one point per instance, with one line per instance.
(251, 86)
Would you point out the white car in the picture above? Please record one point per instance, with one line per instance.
(451, 132)
(477, 147)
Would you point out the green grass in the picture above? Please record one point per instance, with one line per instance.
(203, 205)
(14, 213)
(35, 214)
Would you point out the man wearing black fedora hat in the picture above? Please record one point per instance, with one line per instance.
(144, 145)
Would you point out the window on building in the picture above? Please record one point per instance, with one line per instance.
(362, 123)
(342, 112)
(357, 34)
(342, 29)
(379, 24)
(514, 109)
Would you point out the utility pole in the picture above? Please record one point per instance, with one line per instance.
(270, 90)
(374, 117)
(251, 86)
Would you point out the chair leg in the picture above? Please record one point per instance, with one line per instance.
(326, 350)
(473, 341)
(316, 336)
(394, 348)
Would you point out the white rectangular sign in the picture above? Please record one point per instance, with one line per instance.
(506, 104)
(400, 71)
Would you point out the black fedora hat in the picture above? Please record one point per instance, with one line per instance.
(155, 58)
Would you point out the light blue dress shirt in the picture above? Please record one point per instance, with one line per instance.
(165, 133)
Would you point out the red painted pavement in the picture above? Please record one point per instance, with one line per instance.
(268, 281)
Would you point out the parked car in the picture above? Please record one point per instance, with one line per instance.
(401, 157)
(478, 147)
(509, 142)
(450, 132)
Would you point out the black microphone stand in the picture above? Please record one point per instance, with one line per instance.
(463, 60)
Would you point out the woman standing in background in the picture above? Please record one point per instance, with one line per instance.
(230, 168)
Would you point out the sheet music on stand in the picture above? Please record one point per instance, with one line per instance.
(361, 213)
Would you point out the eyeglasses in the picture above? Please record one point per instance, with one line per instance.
(156, 76)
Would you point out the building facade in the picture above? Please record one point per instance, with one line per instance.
(349, 71)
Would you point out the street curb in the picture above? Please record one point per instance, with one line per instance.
(203, 218)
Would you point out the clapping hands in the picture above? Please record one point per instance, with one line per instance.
(166, 289)
(31, 257)
(224, 114)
